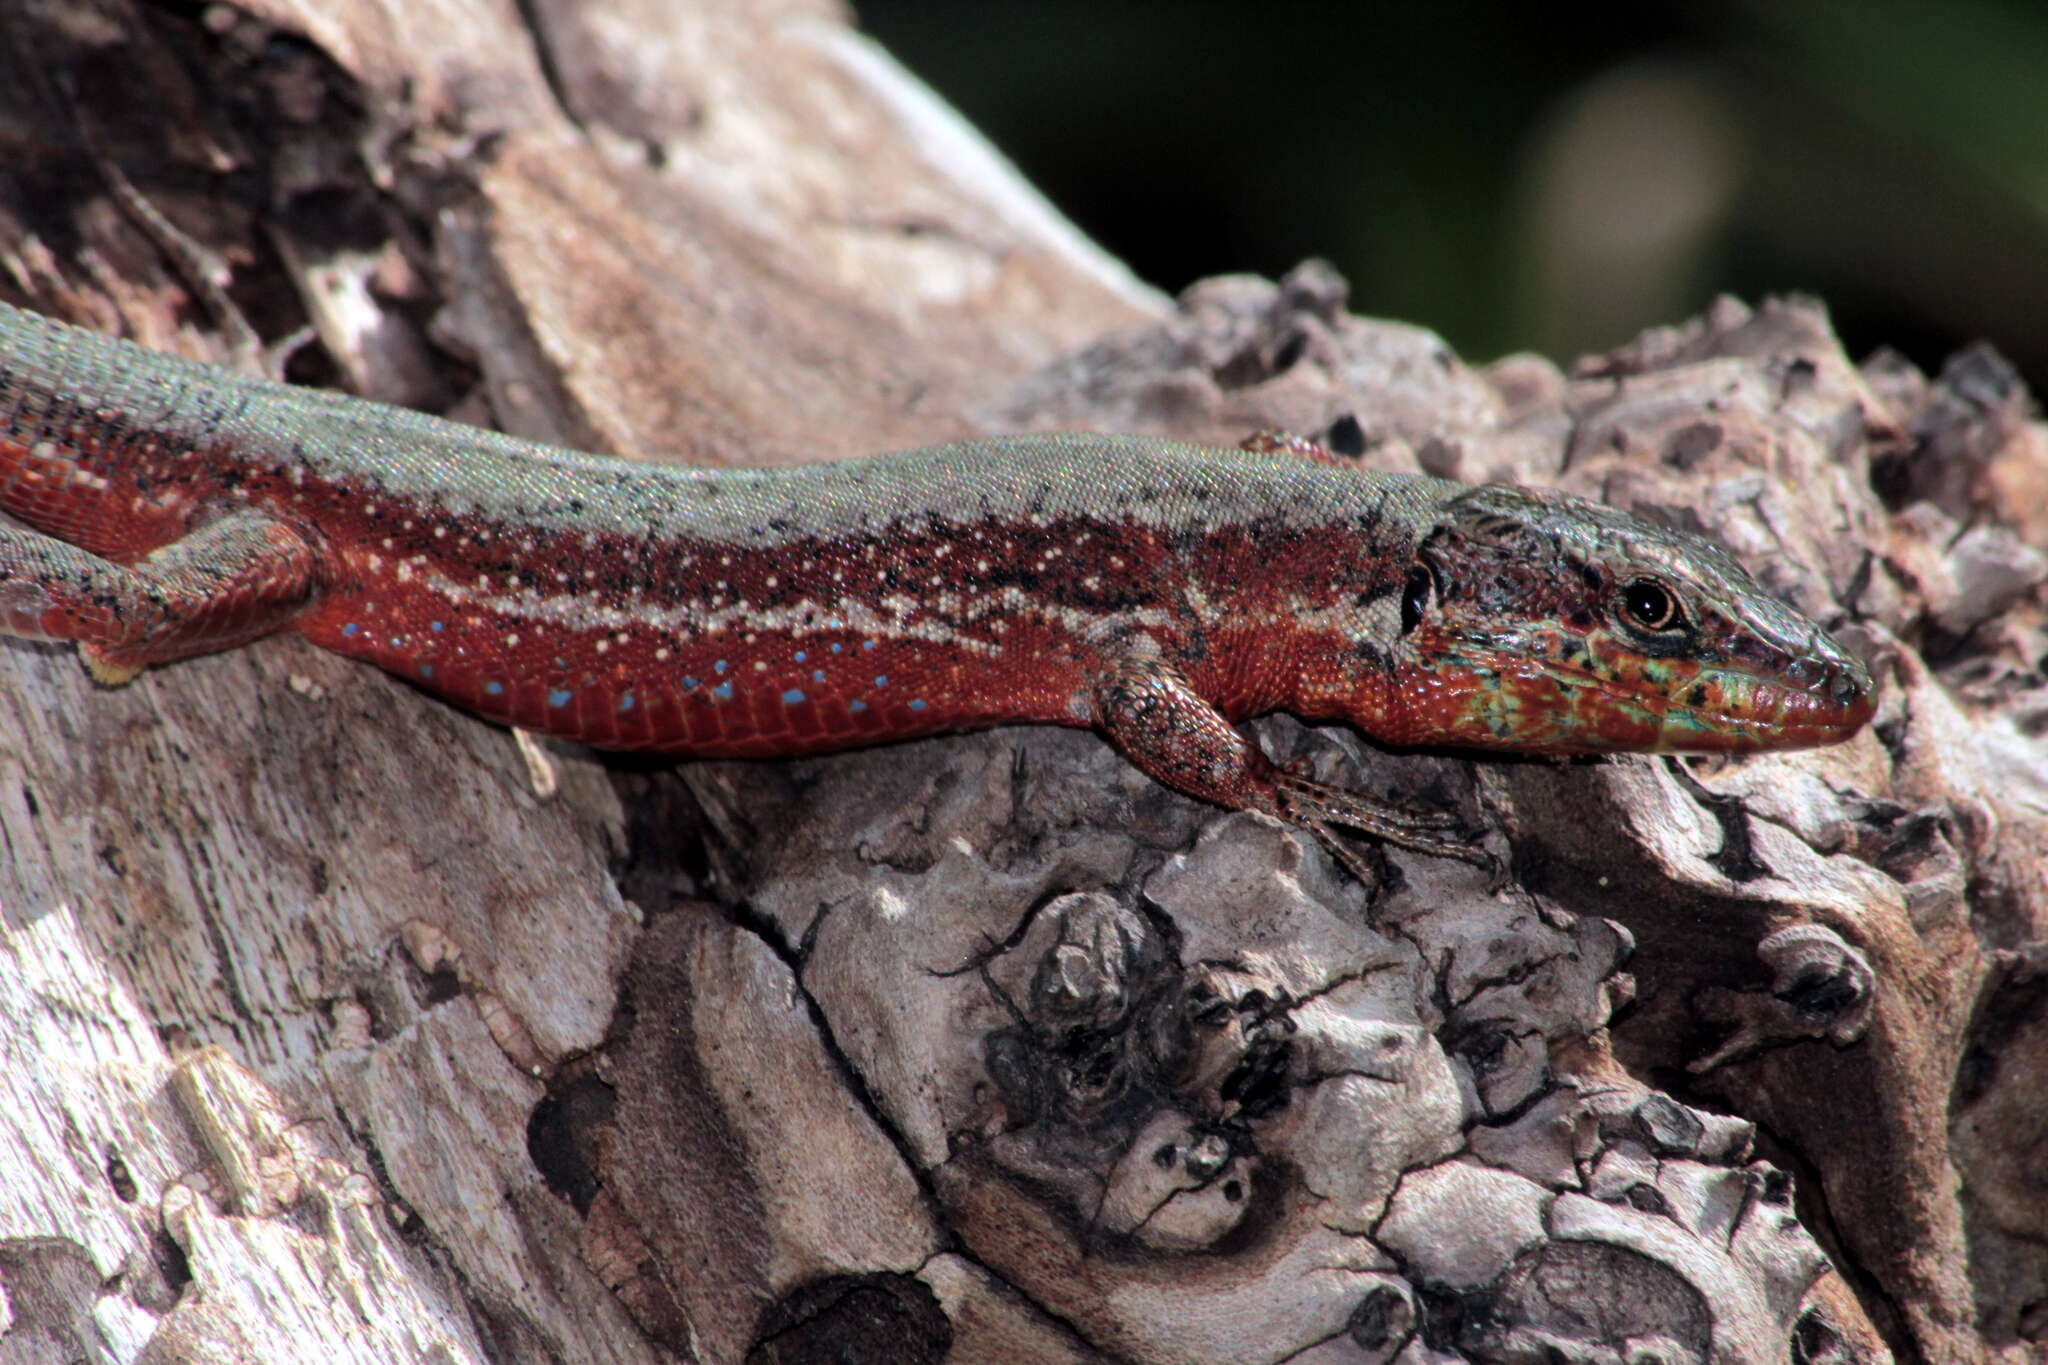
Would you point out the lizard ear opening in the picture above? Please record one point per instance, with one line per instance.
(1414, 597)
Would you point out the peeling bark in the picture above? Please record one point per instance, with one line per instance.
(340, 1030)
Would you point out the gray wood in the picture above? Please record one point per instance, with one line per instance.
(341, 1026)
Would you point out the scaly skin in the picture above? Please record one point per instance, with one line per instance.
(1158, 592)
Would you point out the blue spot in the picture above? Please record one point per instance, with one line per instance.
(856, 706)
(689, 683)
(720, 666)
(867, 644)
(426, 670)
(560, 697)
(792, 697)
(723, 691)
(801, 656)
(917, 706)
(561, 663)
(440, 625)
(838, 648)
(626, 702)
(835, 624)
(351, 629)
(882, 681)
(817, 675)
(494, 688)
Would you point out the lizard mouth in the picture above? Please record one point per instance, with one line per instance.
(1763, 712)
(1544, 705)
(1710, 709)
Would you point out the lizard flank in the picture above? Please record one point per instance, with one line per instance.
(1157, 592)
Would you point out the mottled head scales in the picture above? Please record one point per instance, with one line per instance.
(1569, 626)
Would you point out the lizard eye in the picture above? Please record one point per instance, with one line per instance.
(1650, 605)
(1414, 598)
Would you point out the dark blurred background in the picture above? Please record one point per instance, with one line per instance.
(1532, 175)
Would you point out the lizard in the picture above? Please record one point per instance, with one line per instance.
(1160, 593)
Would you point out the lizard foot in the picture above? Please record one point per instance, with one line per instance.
(1322, 810)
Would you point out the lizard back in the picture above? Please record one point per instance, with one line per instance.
(727, 611)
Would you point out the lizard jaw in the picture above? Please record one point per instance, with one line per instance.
(1744, 712)
(1539, 705)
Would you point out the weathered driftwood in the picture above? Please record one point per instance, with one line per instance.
(334, 1033)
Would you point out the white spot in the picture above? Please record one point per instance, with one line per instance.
(512, 642)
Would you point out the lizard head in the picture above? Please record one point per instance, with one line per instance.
(1556, 625)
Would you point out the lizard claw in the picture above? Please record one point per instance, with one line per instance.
(1373, 815)
(1319, 809)
(1368, 872)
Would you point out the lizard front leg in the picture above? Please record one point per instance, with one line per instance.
(1150, 711)
(242, 577)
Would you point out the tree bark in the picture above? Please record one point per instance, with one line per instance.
(343, 1027)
